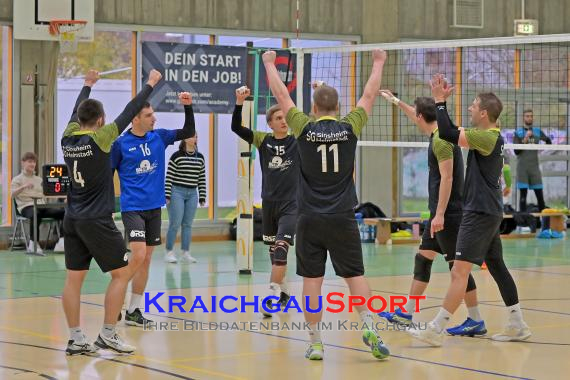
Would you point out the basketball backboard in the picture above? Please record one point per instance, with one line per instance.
(32, 18)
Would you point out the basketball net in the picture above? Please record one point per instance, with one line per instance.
(67, 30)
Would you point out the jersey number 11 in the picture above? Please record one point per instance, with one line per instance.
(323, 149)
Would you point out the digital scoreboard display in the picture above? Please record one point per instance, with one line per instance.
(56, 179)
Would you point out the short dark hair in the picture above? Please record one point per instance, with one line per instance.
(527, 110)
(491, 103)
(89, 111)
(146, 104)
(271, 111)
(425, 106)
(30, 156)
(325, 98)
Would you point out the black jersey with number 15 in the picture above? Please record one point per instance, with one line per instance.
(327, 149)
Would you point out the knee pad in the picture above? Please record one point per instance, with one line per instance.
(422, 268)
(280, 251)
(470, 284)
(272, 254)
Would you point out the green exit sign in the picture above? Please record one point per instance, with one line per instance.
(526, 27)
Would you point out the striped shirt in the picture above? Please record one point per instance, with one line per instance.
(187, 170)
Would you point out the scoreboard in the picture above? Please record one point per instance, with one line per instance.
(56, 179)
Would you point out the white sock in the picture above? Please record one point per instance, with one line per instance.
(368, 318)
(284, 287)
(108, 330)
(410, 306)
(441, 319)
(515, 315)
(76, 335)
(473, 313)
(135, 302)
(274, 289)
(314, 333)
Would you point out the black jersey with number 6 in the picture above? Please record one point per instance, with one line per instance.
(327, 148)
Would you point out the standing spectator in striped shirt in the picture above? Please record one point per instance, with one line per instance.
(185, 187)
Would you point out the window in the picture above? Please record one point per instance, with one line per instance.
(171, 120)
(110, 54)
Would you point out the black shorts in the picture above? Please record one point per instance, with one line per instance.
(98, 239)
(279, 219)
(336, 233)
(143, 226)
(479, 237)
(444, 241)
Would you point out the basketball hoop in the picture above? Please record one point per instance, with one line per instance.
(67, 32)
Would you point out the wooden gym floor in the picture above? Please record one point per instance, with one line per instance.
(33, 332)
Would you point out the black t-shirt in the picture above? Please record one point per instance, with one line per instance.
(484, 168)
(440, 151)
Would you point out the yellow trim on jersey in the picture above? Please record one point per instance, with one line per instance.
(77, 133)
(326, 118)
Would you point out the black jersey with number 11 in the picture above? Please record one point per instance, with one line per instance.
(327, 148)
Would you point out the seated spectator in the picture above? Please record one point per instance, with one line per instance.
(25, 187)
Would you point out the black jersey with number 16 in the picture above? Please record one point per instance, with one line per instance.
(327, 149)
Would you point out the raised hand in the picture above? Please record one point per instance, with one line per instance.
(387, 94)
(241, 94)
(154, 77)
(185, 98)
(269, 56)
(379, 56)
(440, 89)
(91, 77)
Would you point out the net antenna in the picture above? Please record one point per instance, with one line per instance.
(67, 30)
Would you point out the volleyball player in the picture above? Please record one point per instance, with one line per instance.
(90, 232)
(478, 240)
(445, 189)
(279, 159)
(327, 195)
(139, 158)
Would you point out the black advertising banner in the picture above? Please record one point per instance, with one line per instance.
(212, 73)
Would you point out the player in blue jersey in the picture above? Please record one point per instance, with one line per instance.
(139, 158)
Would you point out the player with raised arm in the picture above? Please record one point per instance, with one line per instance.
(327, 196)
(139, 158)
(478, 240)
(279, 159)
(445, 191)
(90, 232)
